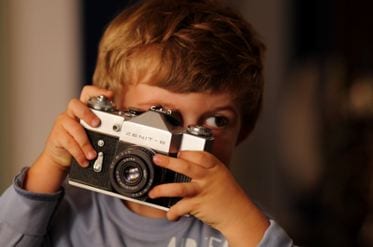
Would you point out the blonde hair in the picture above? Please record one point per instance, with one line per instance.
(184, 46)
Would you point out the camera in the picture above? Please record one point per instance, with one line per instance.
(125, 143)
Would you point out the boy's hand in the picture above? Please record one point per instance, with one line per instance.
(213, 196)
(66, 140)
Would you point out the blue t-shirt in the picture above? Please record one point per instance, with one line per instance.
(77, 217)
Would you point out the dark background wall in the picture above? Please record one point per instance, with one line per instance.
(95, 17)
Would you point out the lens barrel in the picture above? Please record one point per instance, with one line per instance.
(132, 171)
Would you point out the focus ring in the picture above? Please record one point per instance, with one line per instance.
(134, 157)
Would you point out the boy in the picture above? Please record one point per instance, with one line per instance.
(194, 56)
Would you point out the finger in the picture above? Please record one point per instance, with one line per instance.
(71, 146)
(181, 208)
(175, 190)
(78, 110)
(77, 132)
(91, 91)
(184, 167)
(204, 159)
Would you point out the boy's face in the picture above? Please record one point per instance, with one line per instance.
(216, 111)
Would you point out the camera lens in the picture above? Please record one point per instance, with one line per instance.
(132, 175)
(132, 171)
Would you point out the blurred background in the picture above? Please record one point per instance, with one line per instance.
(309, 162)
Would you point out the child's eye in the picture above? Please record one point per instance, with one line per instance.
(216, 122)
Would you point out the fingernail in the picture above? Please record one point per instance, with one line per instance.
(91, 155)
(158, 158)
(150, 194)
(85, 163)
(95, 122)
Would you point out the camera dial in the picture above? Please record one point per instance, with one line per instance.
(173, 116)
(101, 103)
(198, 130)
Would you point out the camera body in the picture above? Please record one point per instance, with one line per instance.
(125, 143)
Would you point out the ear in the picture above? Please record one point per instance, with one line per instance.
(243, 134)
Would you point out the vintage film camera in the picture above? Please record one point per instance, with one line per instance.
(126, 142)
